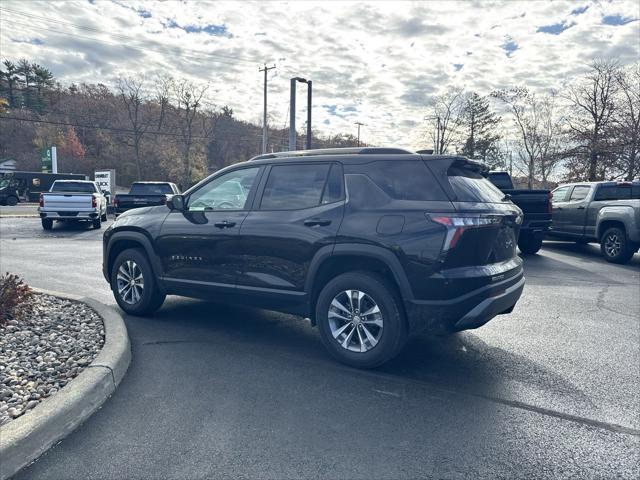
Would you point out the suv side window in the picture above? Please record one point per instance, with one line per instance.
(580, 192)
(398, 180)
(228, 192)
(294, 187)
(334, 187)
(560, 194)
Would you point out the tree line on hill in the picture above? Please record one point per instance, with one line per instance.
(166, 129)
(162, 129)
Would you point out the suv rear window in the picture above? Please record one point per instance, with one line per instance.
(470, 186)
(73, 187)
(150, 189)
(403, 179)
(618, 192)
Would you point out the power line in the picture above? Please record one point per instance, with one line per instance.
(255, 135)
(116, 35)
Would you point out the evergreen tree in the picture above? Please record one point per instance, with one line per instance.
(9, 81)
(480, 124)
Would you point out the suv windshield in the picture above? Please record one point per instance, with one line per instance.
(75, 187)
(150, 189)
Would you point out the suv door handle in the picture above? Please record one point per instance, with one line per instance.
(316, 222)
(225, 224)
(557, 208)
(581, 207)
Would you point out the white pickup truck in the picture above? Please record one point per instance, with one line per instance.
(73, 201)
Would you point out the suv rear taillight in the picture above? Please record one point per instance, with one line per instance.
(115, 201)
(41, 200)
(94, 201)
(457, 224)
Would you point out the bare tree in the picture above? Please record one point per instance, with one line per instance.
(627, 120)
(133, 96)
(592, 101)
(538, 130)
(446, 114)
(189, 97)
(163, 86)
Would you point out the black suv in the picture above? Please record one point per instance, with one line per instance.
(372, 244)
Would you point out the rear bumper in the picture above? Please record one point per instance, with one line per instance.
(467, 311)
(70, 215)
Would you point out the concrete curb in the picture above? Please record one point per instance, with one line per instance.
(26, 438)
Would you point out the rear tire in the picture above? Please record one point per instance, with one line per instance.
(47, 223)
(144, 296)
(104, 217)
(97, 223)
(353, 336)
(11, 201)
(615, 246)
(529, 245)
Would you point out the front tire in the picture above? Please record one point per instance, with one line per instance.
(47, 223)
(615, 246)
(529, 245)
(134, 285)
(12, 201)
(361, 320)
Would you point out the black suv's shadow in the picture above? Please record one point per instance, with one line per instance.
(460, 362)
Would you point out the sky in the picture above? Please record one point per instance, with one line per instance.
(379, 63)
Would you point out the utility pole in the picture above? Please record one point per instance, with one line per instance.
(359, 124)
(264, 115)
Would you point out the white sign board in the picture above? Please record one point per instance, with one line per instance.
(106, 180)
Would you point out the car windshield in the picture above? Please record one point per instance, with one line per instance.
(73, 187)
(150, 189)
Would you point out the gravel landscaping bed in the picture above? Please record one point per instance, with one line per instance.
(41, 353)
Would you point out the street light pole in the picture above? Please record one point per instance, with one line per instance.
(359, 124)
(264, 115)
(292, 116)
(292, 113)
(309, 115)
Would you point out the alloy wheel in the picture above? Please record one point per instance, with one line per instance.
(130, 282)
(355, 321)
(612, 245)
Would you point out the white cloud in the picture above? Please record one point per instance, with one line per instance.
(377, 62)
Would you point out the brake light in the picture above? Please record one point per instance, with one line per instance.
(115, 201)
(41, 200)
(456, 225)
(94, 202)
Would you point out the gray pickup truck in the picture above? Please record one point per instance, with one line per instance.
(604, 212)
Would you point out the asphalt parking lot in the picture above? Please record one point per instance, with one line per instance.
(229, 392)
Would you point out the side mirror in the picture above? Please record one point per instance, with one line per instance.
(176, 202)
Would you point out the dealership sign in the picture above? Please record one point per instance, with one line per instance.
(106, 180)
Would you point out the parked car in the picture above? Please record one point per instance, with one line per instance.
(371, 244)
(536, 206)
(144, 194)
(9, 191)
(604, 212)
(73, 201)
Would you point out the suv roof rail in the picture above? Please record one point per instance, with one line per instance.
(335, 151)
